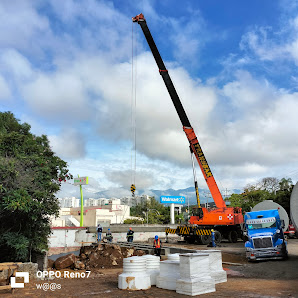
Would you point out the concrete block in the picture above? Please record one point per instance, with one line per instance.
(195, 286)
(173, 257)
(169, 268)
(28, 267)
(166, 282)
(219, 276)
(169, 273)
(134, 281)
(215, 265)
(134, 276)
(194, 265)
(152, 267)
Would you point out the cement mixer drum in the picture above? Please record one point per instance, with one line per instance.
(294, 206)
(270, 205)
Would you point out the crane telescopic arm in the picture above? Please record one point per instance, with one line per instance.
(194, 143)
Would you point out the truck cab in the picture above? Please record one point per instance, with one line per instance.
(265, 237)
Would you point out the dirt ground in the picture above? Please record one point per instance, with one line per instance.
(262, 279)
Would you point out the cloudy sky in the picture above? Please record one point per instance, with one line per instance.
(82, 73)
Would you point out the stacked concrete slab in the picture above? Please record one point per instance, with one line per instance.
(169, 273)
(195, 276)
(173, 257)
(215, 265)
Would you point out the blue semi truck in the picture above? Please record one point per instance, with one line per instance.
(265, 237)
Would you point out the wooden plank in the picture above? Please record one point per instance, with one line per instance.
(7, 267)
(5, 287)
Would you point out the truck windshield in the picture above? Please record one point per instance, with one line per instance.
(264, 225)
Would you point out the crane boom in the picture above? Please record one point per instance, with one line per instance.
(191, 136)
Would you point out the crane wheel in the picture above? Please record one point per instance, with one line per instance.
(233, 236)
(217, 236)
(205, 239)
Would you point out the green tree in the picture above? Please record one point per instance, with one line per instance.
(157, 213)
(248, 199)
(269, 188)
(133, 221)
(30, 176)
(283, 194)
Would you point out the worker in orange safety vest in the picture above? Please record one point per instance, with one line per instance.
(157, 246)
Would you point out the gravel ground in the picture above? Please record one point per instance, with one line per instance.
(261, 279)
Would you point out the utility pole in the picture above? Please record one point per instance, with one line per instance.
(188, 207)
(81, 181)
(226, 193)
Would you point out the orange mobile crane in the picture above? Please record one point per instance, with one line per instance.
(226, 221)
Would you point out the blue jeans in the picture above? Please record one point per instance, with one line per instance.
(130, 239)
(98, 236)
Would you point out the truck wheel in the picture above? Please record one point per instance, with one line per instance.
(217, 236)
(205, 239)
(233, 236)
(284, 252)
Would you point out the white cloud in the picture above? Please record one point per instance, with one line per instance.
(17, 65)
(57, 95)
(269, 44)
(5, 93)
(69, 144)
(22, 25)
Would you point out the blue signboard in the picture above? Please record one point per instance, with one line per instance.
(172, 199)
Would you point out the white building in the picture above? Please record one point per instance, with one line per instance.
(91, 202)
(134, 201)
(112, 213)
(69, 202)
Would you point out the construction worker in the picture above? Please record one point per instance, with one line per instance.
(99, 231)
(157, 246)
(109, 235)
(129, 235)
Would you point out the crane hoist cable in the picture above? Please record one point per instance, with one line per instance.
(199, 210)
(133, 114)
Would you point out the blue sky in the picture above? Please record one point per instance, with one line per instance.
(66, 69)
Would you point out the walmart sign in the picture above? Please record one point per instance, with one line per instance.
(172, 199)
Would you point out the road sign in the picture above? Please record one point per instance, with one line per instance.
(80, 181)
(172, 199)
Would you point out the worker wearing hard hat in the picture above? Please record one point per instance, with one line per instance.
(157, 246)
(129, 235)
(109, 235)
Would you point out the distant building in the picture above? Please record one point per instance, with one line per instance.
(69, 202)
(101, 210)
(112, 213)
(134, 201)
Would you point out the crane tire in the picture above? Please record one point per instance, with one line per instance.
(205, 239)
(233, 236)
(217, 236)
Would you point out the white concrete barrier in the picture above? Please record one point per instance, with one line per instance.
(134, 276)
(195, 276)
(215, 265)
